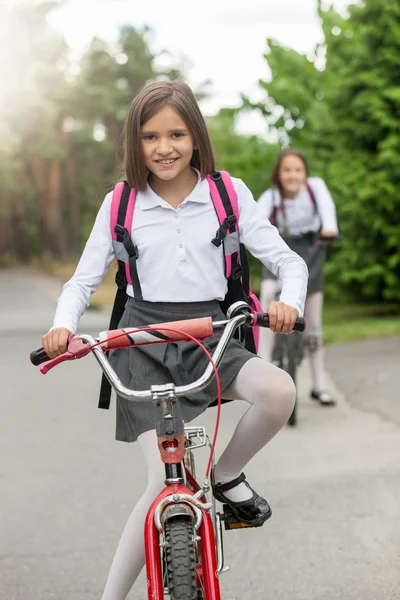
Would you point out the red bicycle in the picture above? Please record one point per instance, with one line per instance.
(183, 531)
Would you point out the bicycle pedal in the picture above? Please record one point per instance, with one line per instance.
(231, 522)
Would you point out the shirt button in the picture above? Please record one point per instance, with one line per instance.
(176, 216)
(180, 245)
(178, 230)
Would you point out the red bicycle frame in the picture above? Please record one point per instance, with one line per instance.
(172, 449)
(155, 584)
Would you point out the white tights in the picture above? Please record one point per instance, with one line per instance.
(313, 333)
(271, 394)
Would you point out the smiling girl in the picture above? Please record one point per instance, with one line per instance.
(168, 155)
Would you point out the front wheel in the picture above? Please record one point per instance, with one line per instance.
(285, 356)
(180, 559)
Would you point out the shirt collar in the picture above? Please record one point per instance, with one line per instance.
(200, 193)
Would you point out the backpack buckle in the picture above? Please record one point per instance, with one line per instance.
(215, 176)
(236, 272)
(222, 231)
(219, 237)
(119, 230)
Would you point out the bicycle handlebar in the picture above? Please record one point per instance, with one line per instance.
(81, 345)
(200, 328)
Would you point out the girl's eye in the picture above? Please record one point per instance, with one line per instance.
(177, 135)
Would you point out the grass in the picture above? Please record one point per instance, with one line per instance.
(343, 322)
(350, 322)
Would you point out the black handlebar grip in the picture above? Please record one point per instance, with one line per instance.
(300, 324)
(263, 321)
(38, 357)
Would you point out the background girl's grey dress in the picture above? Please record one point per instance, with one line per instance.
(314, 257)
(178, 362)
(315, 210)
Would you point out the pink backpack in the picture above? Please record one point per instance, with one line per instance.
(237, 270)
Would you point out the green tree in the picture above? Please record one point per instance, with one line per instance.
(341, 105)
(60, 132)
(32, 63)
(248, 157)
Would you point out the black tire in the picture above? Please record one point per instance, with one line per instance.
(285, 355)
(292, 348)
(180, 559)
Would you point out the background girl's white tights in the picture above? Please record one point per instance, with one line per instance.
(313, 333)
(271, 394)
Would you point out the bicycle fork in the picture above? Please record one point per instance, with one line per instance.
(178, 500)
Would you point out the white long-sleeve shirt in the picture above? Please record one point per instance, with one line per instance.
(177, 261)
(301, 215)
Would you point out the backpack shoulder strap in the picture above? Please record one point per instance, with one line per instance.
(116, 205)
(272, 216)
(225, 202)
(312, 196)
(232, 195)
(121, 215)
(122, 208)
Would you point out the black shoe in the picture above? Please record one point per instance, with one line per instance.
(324, 398)
(254, 511)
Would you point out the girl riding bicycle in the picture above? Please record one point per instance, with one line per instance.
(167, 157)
(302, 209)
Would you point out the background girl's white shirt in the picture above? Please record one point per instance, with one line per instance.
(300, 213)
(177, 261)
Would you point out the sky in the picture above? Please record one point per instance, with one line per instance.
(222, 40)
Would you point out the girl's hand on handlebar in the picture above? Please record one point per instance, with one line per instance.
(282, 317)
(326, 236)
(55, 341)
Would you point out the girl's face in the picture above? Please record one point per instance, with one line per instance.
(167, 144)
(292, 174)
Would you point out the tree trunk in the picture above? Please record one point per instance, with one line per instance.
(74, 205)
(7, 249)
(37, 171)
(55, 232)
(18, 218)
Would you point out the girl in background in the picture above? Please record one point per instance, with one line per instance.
(300, 206)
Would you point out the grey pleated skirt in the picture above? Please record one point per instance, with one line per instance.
(177, 362)
(314, 257)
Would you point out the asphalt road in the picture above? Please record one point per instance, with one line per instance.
(67, 487)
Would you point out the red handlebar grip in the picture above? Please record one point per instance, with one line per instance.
(200, 329)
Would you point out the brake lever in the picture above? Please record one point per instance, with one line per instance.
(77, 348)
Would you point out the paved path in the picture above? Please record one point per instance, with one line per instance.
(67, 487)
(368, 373)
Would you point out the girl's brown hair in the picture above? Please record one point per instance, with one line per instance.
(149, 101)
(275, 180)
